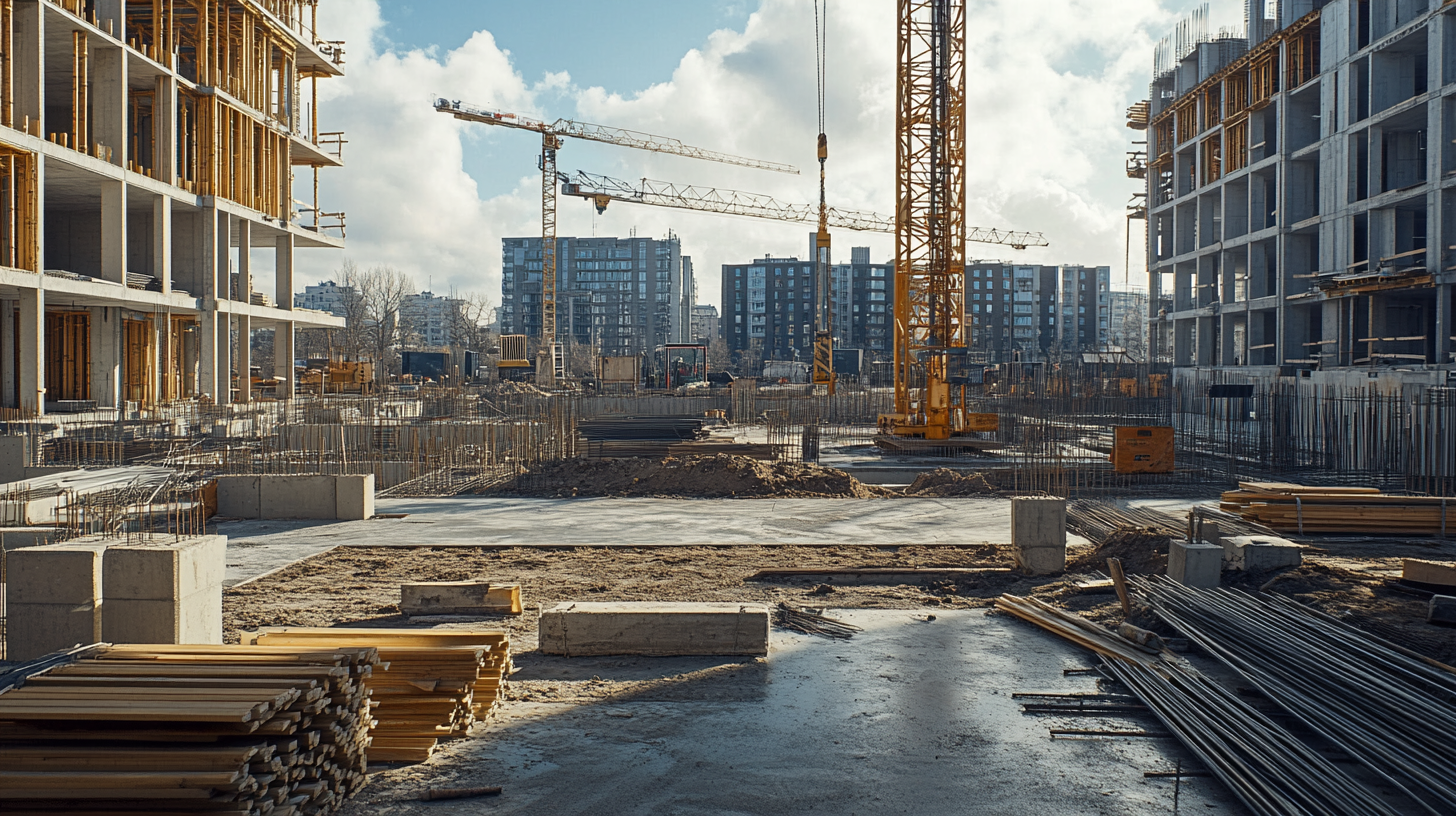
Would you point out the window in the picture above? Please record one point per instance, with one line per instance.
(1051, 321)
(977, 285)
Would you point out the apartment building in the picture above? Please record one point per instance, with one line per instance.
(326, 296)
(1301, 188)
(1084, 304)
(707, 326)
(1011, 311)
(431, 319)
(620, 295)
(862, 301)
(147, 174)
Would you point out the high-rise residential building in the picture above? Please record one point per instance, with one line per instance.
(687, 303)
(1300, 189)
(327, 296)
(768, 306)
(431, 319)
(1011, 311)
(1083, 300)
(621, 295)
(706, 325)
(1127, 323)
(142, 172)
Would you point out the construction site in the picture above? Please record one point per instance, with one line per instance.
(1221, 579)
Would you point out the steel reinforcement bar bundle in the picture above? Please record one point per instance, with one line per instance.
(1391, 710)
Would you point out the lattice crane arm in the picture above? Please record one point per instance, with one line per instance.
(602, 133)
(601, 190)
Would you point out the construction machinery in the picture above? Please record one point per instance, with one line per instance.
(327, 376)
(514, 363)
(551, 361)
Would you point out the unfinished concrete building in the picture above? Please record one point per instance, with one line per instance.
(1302, 190)
(147, 161)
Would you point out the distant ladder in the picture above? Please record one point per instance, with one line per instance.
(558, 361)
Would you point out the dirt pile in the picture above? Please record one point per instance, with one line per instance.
(944, 483)
(1142, 550)
(718, 476)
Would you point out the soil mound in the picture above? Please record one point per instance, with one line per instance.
(944, 483)
(717, 476)
(1143, 552)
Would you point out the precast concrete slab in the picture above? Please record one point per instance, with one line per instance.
(258, 547)
(911, 716)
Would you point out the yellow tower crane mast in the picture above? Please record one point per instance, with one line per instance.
(930, 230)
(550, 363)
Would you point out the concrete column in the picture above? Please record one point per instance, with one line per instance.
(212, 355)
(32, 350)
(1205, 341)
(244, 287)
(109, 101)
(111, 18)
(162, 241)
(106, 354)
(213, 250)
(8, 379)
(283, 355)
(113, 231)
(1444, 326)
(245, 358)
(283, 277)
(162, 326)
(29, 66)
(164, 129)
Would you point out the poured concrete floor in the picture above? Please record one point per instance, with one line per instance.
(909, 717)
(258, 547)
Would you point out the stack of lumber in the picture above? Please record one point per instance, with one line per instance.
(1304, 510)
(263, 731)
(433, 684)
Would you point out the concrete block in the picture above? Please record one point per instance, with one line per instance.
(14, 458)
(1261, 553)
(1442, 610)
(460, 598)
(36, 629)
(13, 538)
(1039, 534)
(66, 574)
(165, 570)
(196, 619)
(1428, 572)
(660, 629)
(1196, 565)
(298, 497)
(239, 496)
(354, 497)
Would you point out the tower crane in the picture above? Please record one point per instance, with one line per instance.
(930, 234)
(602, 190)
(552, 136)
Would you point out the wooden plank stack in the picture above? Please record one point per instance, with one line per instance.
(433, 684)
(261, 731)
(1305, 510)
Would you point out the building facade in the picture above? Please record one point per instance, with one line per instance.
(142, 166)
(768, 308)
(1011, 311)
(327, 296)
(1300, 188)
(620, 295)
(1084, 303)
(430, 319)
(706, 325)
(862, 302)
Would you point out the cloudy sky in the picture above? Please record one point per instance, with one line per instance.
(1049, 81)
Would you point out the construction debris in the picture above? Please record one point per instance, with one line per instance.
(812, 623)
(432, 684)
(719, 476)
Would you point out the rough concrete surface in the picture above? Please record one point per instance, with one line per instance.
(255, 548)
(912, 716)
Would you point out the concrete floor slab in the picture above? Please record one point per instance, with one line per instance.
(255, 547)
(909, 717)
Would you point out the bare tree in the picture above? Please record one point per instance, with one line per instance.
(372, 302)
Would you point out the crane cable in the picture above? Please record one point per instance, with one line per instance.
(821, 52)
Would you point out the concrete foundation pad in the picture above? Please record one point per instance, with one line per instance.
(307, 496)
(67, 574)
(354, 497)
(164, 570)
(460, 598)
(665, 629)
(192, 620)
(1039, 534)
(299, 497)
(13, 538)
(1195, 564)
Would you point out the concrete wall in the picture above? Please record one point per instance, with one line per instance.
(54, 598)
(346, 498)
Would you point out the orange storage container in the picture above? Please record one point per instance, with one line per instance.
(1142, 450)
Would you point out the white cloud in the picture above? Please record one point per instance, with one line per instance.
(1048, 83)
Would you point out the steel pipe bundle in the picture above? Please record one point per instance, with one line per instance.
(1391, 710)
